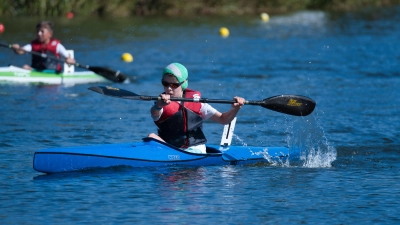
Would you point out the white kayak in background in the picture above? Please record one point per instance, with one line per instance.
(13, 74)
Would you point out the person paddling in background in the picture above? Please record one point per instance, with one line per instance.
(46, 44)
(181, 124)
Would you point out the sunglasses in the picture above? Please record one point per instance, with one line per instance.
(172, 85)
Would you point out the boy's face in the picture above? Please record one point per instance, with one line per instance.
(174, 92)
(44, 35)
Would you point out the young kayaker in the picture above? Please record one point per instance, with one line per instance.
(180, 124)
(46, 44)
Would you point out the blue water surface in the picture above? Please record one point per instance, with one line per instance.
(349, 167)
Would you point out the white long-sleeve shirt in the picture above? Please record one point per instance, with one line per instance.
(60, 49)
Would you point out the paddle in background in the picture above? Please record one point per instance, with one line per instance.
(109, 74)
(294, 105)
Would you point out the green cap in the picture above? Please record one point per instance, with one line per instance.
(179, 71)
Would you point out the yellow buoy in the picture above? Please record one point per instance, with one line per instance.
(126, 57)
(224, 32)
(264, 17)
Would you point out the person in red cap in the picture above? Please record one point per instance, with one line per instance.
(180, 123)
(46, 44)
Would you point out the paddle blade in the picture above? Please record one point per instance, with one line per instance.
(115, 92)
(112, 75)
(290, 104)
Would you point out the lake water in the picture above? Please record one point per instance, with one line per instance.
(349, 167)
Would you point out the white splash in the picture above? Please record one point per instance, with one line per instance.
(273, 160)
(308, 144)
(240, 140)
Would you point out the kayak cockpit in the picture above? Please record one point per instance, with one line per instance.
(209, 149)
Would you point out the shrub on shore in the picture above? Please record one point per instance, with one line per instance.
(125, 8)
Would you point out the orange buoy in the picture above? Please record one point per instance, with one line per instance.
(70, 15)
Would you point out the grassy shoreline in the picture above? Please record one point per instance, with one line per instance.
(126, 8)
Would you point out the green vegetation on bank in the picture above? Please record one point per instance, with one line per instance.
(124, 8)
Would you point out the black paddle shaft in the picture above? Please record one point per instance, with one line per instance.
(295, 105)
(115, 76)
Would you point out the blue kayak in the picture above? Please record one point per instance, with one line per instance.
(149, 153)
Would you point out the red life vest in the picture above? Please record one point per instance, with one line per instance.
(181, 125)
(41, 63)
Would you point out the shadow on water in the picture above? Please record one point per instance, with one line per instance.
(104, 172)
(171, 174)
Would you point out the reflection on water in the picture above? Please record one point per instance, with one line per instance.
(179, 177)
